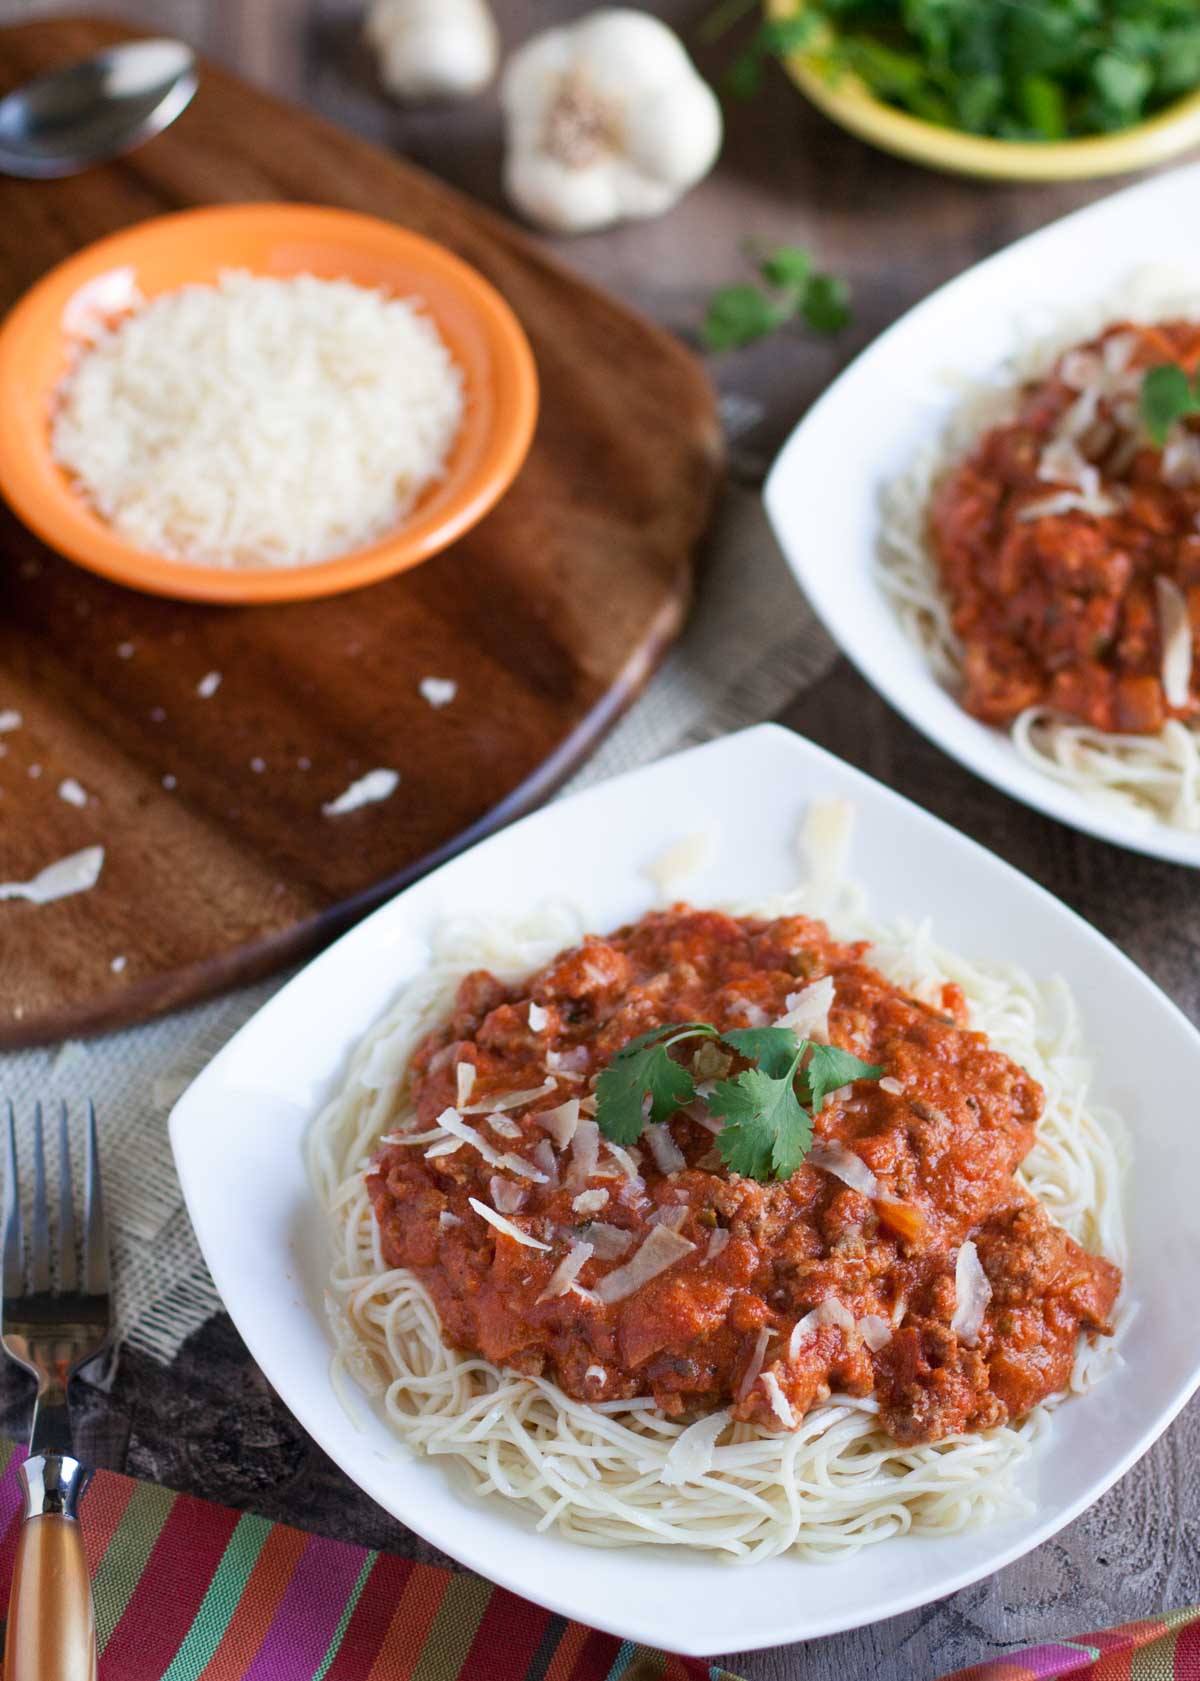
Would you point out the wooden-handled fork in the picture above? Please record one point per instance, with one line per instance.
(55, 1316)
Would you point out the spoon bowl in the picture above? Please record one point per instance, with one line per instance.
(66, 121)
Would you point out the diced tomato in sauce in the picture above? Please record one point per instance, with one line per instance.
(1060, 610)
(943, 1152)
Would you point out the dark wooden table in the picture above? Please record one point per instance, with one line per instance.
(210, 1423)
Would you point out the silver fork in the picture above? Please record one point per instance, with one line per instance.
(52, 1326)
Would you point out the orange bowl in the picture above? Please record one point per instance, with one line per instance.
(480, 330)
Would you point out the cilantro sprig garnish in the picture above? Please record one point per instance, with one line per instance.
(790, 289)
(1167, 396)
(768, 1109)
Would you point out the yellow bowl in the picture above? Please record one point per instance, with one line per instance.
(849, 102)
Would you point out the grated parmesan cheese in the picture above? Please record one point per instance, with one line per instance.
(10, 719)
(260, 422)
(438, 691)
(72, 792)
(375, 785)
(75, 874)
(207, 687)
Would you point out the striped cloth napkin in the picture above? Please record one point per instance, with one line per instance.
(189, 1591)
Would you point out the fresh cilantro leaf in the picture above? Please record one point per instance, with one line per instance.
(1167, 396)
(1044, 107)
(738, 315)
(829, 1067)
(774, 1049)
(766, 1132)
(790, 266)
(645, 1068)
(826, 304)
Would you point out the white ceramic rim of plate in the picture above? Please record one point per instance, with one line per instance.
(236, 1136)
(825, 514)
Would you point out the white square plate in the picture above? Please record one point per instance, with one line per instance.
(823, 493)
(237, 1139)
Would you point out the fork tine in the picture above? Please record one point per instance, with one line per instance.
(95, 1256)
(14, 1260)
(39, 1232)
(68, 1262)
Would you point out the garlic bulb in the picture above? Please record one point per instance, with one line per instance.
(607, 119)
(433, 49)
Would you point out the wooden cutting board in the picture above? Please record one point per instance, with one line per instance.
(550, 616)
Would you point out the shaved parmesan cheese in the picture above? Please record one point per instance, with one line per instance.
(451, 1121)
(874, 1331)
(835, 1158)
(888, 1084)
(10, 719)
(674, 1217)
(589, 1202)
(622, 1156)
(118, 964)
(972, 1293)
(505, 1226)
(808, 1011)
(77, 873)
(446, 1220)
(375, 785)
(585, 1153)
(208, 685)
(438, 691)
(567, 1271)
(682, 859)
(464, 1076)
(508, 1198)
(750, 1375)
(1067, 502)
(825, 839)
(512, 1099)
(72, 792)
(537, 1018)
(543, 1155)
(668, 1157)
(660, 1250)
(518, 1164)
(447, 1147)
(828, 1312)
(691, 1453)
(716, 1243)
(608, 1242)
(1175, 630)
(595, 1374)
(780, 1405)
(560, 1123)
(505, 1127)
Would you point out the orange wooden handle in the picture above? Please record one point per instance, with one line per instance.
(51, 1632)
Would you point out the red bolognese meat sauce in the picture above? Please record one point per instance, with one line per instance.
(1068, 544)
(655, 1271)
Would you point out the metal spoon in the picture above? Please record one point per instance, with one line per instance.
(70, 119)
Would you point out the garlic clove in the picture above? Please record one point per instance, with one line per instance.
(433, 49)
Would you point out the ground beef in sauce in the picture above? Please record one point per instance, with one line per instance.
(1060, 610)
(945, 1149)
